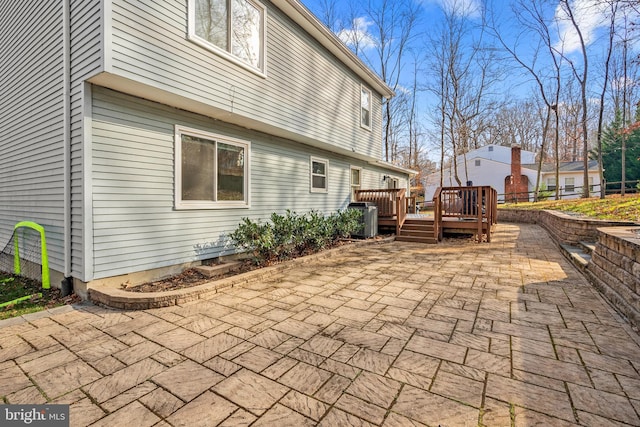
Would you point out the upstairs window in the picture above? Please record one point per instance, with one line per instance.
(365, 108)
(234, 29)
(477, 162)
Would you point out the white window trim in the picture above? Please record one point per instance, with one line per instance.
(364, 88)
(351, 185)
(566, 185)
(312, 189)
(193, 37)
(180, 204)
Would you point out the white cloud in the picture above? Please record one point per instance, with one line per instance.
(358, 35)
(590, 15)
(620, 83)
(465, 8)
(403, 90)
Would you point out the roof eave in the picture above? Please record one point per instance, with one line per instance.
(396, 168)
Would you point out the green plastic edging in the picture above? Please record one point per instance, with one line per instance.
(4, 304)
(46, 283)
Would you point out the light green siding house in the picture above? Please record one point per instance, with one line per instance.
(140, 133)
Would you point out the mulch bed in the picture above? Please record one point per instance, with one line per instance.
(191, 277)
(188, 278)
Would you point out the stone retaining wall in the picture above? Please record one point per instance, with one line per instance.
(614, 268)
(563, 227)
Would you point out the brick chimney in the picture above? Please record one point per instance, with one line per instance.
(516, 165)
(516, 185)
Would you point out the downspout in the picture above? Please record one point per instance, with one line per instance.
(66, 36)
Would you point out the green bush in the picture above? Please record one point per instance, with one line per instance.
(255, 237)
(291, 234)
(346, 222)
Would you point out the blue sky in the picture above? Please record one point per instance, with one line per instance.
(590, 14)
(514, 82)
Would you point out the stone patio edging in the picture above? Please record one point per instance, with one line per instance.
(121, 299)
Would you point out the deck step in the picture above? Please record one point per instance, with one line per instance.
(588, 247)
(417, 231)
(577, 255)
(416, 239)
(418, 221)
(417, 227)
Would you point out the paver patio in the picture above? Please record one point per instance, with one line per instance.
(396, 334)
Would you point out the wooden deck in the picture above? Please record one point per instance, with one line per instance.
(470, 210)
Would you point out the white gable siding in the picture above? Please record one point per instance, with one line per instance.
(498, 153)
(31, 120)
(135, 225)
(489, 172)
(307, 91)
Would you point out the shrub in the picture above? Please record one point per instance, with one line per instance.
(255, 237)
(290, 235)
(346, 222)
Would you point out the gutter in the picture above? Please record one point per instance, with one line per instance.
(66, 67)
(395, 168)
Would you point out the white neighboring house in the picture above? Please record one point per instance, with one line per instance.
(493, 165)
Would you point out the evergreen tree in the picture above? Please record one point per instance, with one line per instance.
(612, 153)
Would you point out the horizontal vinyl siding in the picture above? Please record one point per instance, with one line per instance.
(307, 91)
(135, 227)
(86, 60)
(31, 121)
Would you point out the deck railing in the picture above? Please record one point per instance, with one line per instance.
(392, 203)
(478, 204)
(437, 214)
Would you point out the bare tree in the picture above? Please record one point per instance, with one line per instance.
(393, 23)
(530, 16)
(581, 75)
(439, 87)
(613, 9)
(464, 68)
(517, 123)
(380, 34)
(570, 111)
(412, 119)
(329, 15)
